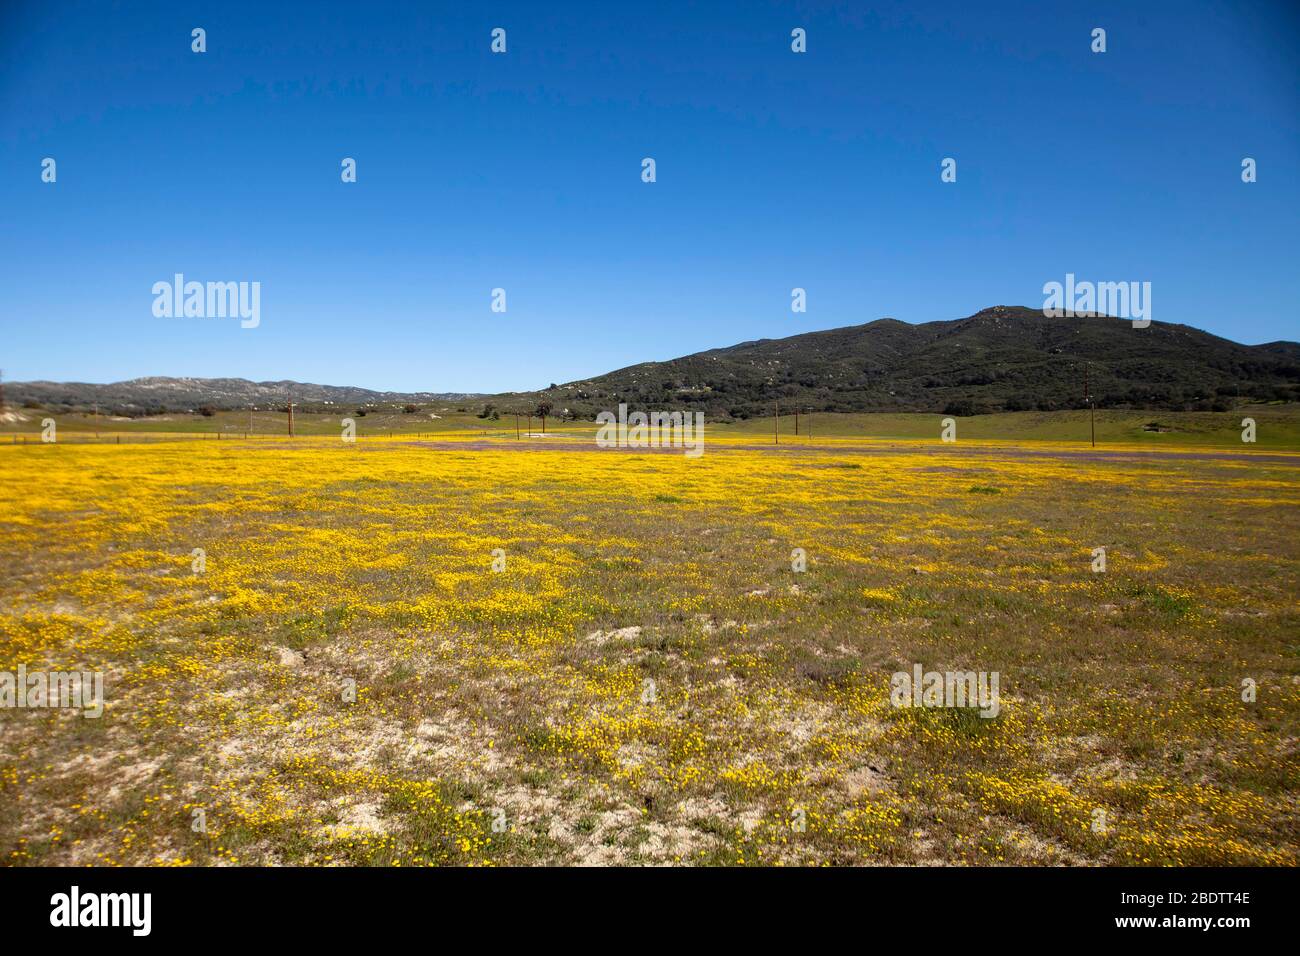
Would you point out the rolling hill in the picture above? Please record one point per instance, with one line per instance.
(1002, 358)
(146, 396)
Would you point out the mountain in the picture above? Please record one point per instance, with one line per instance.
(143, 396)
(1005, 357)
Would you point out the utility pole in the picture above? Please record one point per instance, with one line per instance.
(290, 417)
(1087, 397)
(776, 416)
(516, 426)
(2, 390)
(810, 424)
(796, 419)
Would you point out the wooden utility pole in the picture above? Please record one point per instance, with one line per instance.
(290, 417)
(776, 416)
(809, 420)
(516, 426)
(1087, 397)
(796, 419)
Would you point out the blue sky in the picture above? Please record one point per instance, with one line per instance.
(522, 171)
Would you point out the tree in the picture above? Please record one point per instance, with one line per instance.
(410, 409)
(543, 409)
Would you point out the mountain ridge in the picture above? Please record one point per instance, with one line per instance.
(153, 394)
(999, 358)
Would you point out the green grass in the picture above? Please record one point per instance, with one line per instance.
(1278, 426)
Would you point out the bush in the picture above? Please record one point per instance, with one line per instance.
(966, 407)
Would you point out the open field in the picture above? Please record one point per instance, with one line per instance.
(648, 680)
(1278, 426)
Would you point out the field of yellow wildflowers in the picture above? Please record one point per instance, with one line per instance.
(414, 653)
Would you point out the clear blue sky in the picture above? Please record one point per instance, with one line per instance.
(522, 171)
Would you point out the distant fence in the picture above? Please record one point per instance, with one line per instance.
(67, 437)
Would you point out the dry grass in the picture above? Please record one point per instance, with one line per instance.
(527, 692)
